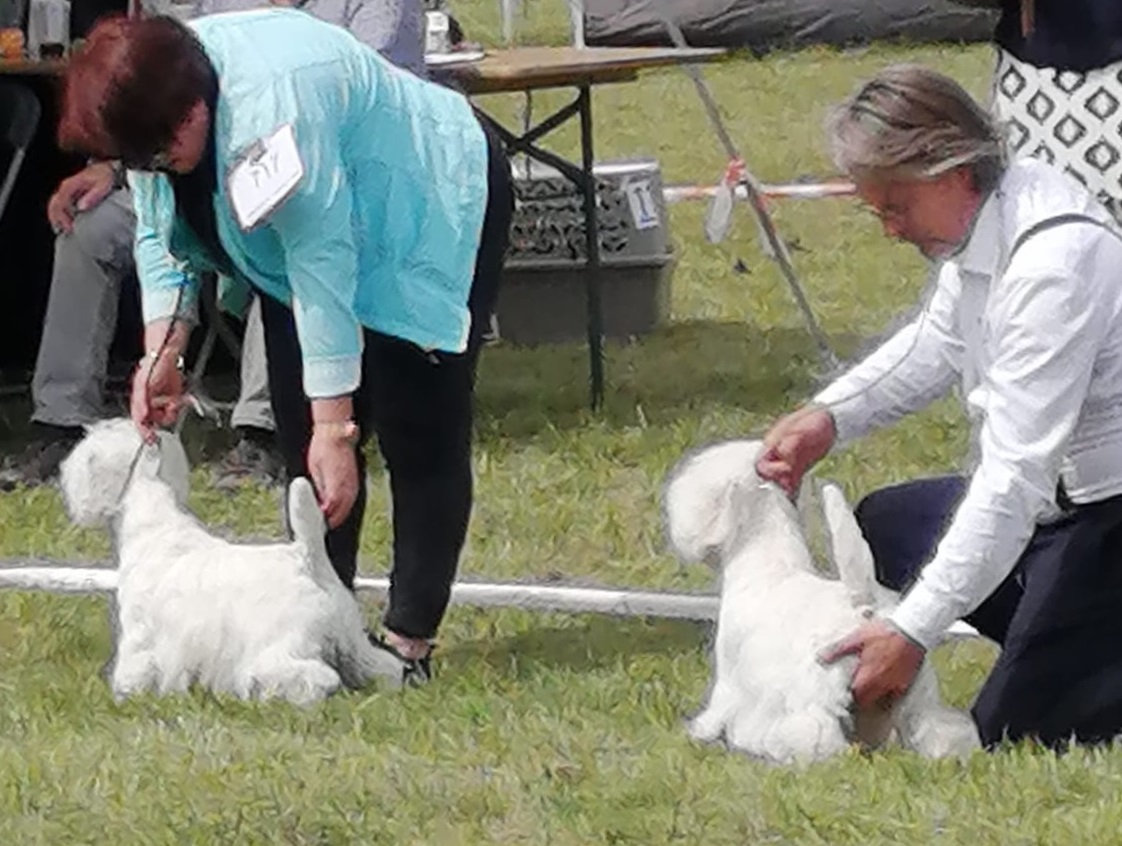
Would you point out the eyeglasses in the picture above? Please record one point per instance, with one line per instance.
(158, 161)
(895, 208)
(889, 213)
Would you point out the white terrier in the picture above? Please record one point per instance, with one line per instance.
(253, 620)
(770, 695)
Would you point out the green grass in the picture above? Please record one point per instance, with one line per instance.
(550, 728)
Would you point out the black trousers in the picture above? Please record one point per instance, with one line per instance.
(1058, 616)
(419, 405)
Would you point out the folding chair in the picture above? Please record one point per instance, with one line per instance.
(217, 330)
(19, 118)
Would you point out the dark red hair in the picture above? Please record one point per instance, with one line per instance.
(131, 85)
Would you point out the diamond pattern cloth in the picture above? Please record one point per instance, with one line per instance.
(1070, 119)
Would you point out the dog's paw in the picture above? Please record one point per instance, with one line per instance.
(706, 727)
(802, 738)
(943, 733)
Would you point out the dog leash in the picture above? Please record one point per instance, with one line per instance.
(148, 384)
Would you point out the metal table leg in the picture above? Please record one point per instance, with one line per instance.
(592, 242)
(585, 180)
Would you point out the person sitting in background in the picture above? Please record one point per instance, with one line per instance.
(395, 28)
(92, 214)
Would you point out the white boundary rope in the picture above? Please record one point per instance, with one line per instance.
(615, 602)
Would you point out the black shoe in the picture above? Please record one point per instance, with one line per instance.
(252, 459)
(415, 671)
(37, 463)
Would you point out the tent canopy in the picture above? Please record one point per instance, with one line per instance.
(763, 25)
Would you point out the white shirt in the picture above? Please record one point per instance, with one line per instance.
(1037, 348)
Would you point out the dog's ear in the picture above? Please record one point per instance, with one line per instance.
(148, 464)
(77, 480)
(174, 466)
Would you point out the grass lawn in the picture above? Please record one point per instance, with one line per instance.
(557, 729)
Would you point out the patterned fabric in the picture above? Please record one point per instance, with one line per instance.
(1072, 120)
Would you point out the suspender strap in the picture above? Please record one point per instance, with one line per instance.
(1062, 499)
(1052, 223)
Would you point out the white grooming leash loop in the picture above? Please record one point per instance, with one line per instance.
(147, 384)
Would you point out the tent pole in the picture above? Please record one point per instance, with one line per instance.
(752, 188)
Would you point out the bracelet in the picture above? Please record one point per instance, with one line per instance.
(153, 355)
(344, 430)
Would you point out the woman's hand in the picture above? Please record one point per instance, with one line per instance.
(158, 385)
(333, 467)
(157, 393)
(793, 445)
(81, 192)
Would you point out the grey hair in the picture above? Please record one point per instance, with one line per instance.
(913, 123)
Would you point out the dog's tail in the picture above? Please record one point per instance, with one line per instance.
(305, 518)
(357, 660)
(851, 553)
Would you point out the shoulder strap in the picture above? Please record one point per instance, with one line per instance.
(1062, 499)
(1051, 223)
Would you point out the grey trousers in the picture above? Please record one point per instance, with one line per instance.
(91, 263)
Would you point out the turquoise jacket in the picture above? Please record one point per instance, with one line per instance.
(382, 228)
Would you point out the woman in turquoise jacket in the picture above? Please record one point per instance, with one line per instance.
(371, 210)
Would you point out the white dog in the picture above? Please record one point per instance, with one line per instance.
(252, 620)
(770, 695)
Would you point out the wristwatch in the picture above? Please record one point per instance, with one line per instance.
(152, 355)
(119, 175)
(344, 430)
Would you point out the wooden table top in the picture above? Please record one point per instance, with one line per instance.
(32, 67)
(527, 68)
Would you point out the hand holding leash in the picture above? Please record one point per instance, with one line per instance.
(793, 445)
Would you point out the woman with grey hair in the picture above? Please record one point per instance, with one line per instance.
(1026, 316)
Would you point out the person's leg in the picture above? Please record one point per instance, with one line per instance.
(254, 456)
(293, 416)
(903, 525)
(90, 262)
(67, 388)
(1059, 675)
(420, 404)
(253, 409)
(422, 408)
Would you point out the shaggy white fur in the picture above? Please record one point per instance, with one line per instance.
(253, 620)
(770, 696)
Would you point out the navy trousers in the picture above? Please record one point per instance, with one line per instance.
(1058, 616)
